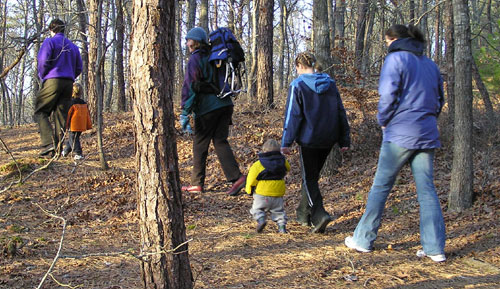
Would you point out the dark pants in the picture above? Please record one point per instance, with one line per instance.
(54, 98)
(311, 204)
(73, 143)
(213, 127)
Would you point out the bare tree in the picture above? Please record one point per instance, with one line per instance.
(120, 73)
(204, 15)
(159, 195)
(462, 177)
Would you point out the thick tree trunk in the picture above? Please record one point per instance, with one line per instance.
(265, 54)
(450, 56)
(462, 177)
(159, 195)
(360, 33)
(120, 73)
(321, 35)
(340, 22)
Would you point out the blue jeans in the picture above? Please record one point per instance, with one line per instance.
(392, 157)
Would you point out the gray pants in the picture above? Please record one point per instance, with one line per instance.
(262, 204)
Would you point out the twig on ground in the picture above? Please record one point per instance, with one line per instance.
(140, 257)
(63, 285)
(13, 158)
(60, 245)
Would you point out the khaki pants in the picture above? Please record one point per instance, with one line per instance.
(53, 100)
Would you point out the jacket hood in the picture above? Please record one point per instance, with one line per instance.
(274, 166)
(318, 82)
(407, 44)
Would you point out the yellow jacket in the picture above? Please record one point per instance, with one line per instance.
(269, 188)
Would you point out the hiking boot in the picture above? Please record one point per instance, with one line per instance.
(282, 229)
(192, 189)
(321, 226)
(435, 258)
(304, 221)
(349, 242)
(261, 224)
(237, 186)
(47, 150)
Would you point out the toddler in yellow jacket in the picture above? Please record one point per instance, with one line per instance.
(266, 182)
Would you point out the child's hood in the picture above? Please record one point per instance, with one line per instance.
(273, 161)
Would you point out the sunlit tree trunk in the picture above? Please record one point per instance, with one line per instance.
(159, 198)
(82, 23)
(462, 177)
(252, 76)
(265, 54)
(204, 15)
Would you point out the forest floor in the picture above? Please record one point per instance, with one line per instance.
(99, 208)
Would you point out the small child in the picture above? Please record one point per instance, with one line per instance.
(266, 182)
(78, 121)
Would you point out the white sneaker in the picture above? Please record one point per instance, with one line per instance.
(349, 242)
(78, 157)
(435, 258)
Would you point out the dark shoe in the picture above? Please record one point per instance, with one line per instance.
(282, 229)
(321, 226)
(192, 189)
(304, 221)
(261, 224)
(237, 186)
(47, 150)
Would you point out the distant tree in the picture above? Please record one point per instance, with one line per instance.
(120, 73)
(462, 177)
(159, 198)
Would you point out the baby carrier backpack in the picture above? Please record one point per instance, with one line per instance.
(228, 59)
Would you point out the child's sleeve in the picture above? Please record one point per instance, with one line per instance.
(70, 115)
(252, 178)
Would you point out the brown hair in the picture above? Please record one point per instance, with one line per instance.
(77, 90)
(270, 145)
(401, 31)
(56, 26)
(307, 59)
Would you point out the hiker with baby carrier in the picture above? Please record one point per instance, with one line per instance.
(212, 114)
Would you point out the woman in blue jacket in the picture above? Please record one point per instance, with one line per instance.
(212, 117)
(411, 98)
(315, 118)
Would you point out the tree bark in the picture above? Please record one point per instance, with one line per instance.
(265, 54)
(360, 33)
(437, 35)
(82, 23)
(204, 15)
(462, 177)
(252, 76)
(120, 73)
(450, 56)
(340, 22)
(281, 48)
(321, 36)
(159, 195)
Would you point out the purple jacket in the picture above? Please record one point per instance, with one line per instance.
(59, 58)
(411, 96)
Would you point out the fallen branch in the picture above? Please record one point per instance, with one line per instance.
(58, 250)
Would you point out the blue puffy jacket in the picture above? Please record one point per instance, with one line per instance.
(315, 116)
(411, 96)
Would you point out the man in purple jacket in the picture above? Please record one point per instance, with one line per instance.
(59, 63)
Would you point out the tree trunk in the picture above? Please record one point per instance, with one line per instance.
(437, 35)
(82, 22)
(412, 12)
(321, 35)
(216, 16)
(340, 22)
(252, 76)
(450, 56)
(111, 82)
(159, 195)
(265, 54)
(204, 15)
(96, 65)
(360, 33)
(281, 49)
(462, 177)
(120, 73)
(490, 113)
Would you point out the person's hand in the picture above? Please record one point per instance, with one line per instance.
(286, 150)
(343, 149)
(185, 125)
